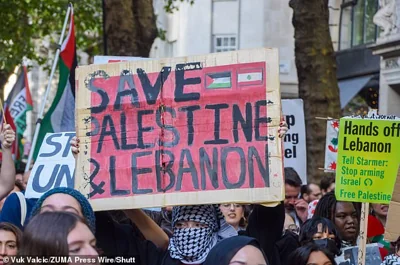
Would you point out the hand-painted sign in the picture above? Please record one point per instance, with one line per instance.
(54, 167)
(331, 145)
(99, 59)
(180, 131)
(368, 160)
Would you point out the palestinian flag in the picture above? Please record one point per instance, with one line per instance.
(218, 80)
(250, 77)
(61, 115)
(18, 103)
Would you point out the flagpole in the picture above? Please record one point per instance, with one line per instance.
(44, 99)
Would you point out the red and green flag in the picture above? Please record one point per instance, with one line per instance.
(61, 115)
(18, 103)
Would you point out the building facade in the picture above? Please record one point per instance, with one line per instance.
(224, 25)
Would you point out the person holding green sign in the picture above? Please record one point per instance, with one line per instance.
(344, 215)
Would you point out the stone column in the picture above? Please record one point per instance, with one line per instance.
(388, 47)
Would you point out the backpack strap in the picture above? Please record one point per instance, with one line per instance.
(22, 202)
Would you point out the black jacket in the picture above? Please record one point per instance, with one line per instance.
(123, 240)
(265, 224)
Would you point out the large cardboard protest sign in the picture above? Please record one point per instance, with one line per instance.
(368, 159)
(54, 166)
(100, 59)
(295, 140)
(193, 130)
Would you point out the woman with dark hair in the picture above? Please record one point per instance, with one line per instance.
(344, 215)
(10, 240)
(311, 254)
(58, 234)
(322, 232)
(235, 251)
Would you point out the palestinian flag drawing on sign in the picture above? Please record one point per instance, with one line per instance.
(18, 103)
(250, 77)
(61, 115)
(218, 80)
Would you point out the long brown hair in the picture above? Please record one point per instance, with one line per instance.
(13, 229)
(46, 234)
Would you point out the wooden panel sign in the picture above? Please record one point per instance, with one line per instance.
(180, 131)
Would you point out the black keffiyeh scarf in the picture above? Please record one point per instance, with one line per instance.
(192, 245)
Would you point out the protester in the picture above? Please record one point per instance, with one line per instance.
(197, 229)
(322, 232)
(112, 238)
(234, 215)
(20, 172)
(327, 183)
(380, 211)
(18, 187)
(295, 207)
(311, 254)
(311, 192)
(289, 224)
(393, 259)
(15, 206)
(10, 241)
(16, 209)
(375, 234)
(237, 251)
(66, 200)
(59, 234)
(7, 172)
(289, 241)
(344, 215)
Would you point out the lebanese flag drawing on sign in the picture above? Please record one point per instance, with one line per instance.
(250, 77)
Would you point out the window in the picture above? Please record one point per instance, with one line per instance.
(225, 43)
(356, 23)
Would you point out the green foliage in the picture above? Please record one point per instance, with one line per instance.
(162, 34)
(170, 6)
(25, 23)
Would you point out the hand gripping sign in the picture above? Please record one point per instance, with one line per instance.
(176, 131)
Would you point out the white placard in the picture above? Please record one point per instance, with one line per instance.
(295, 139)
(54, 166)
(331, 145)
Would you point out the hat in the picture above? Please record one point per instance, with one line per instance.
(87, 209)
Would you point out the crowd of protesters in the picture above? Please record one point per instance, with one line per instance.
(309, 227)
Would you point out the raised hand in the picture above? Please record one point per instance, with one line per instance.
(74, 146)
(7, 136)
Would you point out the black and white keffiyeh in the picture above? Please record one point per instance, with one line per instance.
(192, 245)
(391, 260)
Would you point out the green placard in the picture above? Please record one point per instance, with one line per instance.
(368, 159)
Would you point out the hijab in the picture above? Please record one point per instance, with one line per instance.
(192, 245)
(224, 251)
(87, 210)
